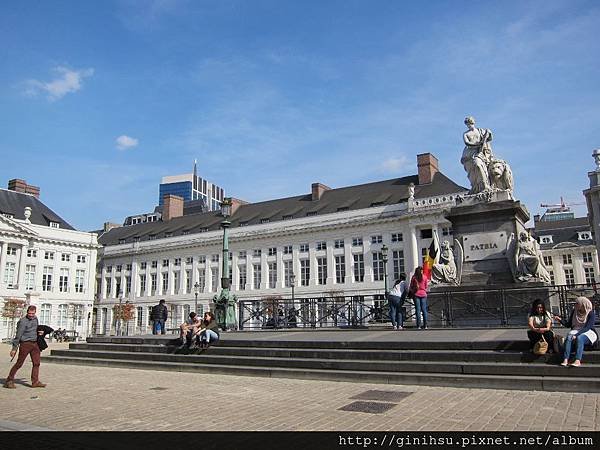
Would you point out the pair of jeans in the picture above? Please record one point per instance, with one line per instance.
(158, 325)
(27, 348)
(209, 336)
(395, 304)
(580, 342)
(421, 307)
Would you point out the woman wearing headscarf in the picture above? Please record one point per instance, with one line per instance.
(581, 321)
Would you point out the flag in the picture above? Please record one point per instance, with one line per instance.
(431, 256)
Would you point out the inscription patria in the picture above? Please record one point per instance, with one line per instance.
(478, 246)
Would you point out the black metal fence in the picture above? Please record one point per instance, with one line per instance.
(490, 307)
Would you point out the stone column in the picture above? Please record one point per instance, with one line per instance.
(330, 265)
(20, 275)
(2, 261)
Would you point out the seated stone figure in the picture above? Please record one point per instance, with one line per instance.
(528, 256)
(445, 270)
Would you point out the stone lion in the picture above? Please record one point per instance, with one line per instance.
(501, 177)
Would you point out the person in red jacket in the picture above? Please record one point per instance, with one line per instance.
(418, 287)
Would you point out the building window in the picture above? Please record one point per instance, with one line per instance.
(376, 239)
(214, 258)
(567, 259)
(286, 217)
(272, 275)
(242, 277)
(321, 245)
(201, 259)
(548, 261)
(303, 248)
(189, 260)
(31, 253)
(153, 283)
(47, 279)
(177, 262)
(188, 281)
(257, 276)
(426, 233)
(569, 277)
(12, 251)
(127, 286)
(151, 237)
(47, 255)
(139, 316)
(398, 263)
(359, 267)
(214, 271)
(244, 224)
(30, 278)
(63, 280)
(242, 254)
(108, 287)
(176, 282)
(545, 239)
(165, 263)
(551, 273)
(446, 231)
(378, 270)
(340, 269)
(201, 280)
(119, 268)
(585, 236)
(136, 239)
(587, 257)
(266, 220)
(143, 265)
(311, 213)
(45, 313)
(165, 283)
(65, 257)
(9, 274)
(77, 315)
(154, 264)
(288, 269)
(590, 276)
(54, 225)
(357, 242)
(397, 237)
(272, 251)
(118, 287)
(338, 243)
(321, 270)
(256, 253)
(63, 315)
(287, 250)
(304, 272)
(121, 241)
(143, 285)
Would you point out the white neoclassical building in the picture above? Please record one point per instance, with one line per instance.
(44, 262)
(330, 239)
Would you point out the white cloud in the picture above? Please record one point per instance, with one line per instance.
(126, 142)
(68, 81)
(396, 165)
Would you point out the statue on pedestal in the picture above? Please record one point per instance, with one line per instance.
(528, 263)
(445, 271)
(225, 310)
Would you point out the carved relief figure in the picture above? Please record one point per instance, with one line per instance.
(477, 156)
(500, 176)
(528, 260)
(445, 271)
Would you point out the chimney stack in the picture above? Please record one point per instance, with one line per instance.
(318, 189)
(427, 165)
(18, 185)
(172, 207)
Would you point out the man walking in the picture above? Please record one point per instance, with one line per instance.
(26, 341)
(159, 317)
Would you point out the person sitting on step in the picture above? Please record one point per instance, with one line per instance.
(209, 333)
(581, 321)
(540, 325)
(187, 329)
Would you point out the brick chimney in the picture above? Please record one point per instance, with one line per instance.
(428, 167)
(18, 185)
(318, 189)
(172, 207)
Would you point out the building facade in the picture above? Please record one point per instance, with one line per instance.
(331, 240)
(46, 263)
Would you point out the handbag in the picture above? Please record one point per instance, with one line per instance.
(540, 347)
(412, 289)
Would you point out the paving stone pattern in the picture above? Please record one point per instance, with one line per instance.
(97, 398)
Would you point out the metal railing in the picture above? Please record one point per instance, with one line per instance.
(488, 307)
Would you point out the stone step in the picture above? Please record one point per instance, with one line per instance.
(376, 355)
(453, 367)
(539, 383)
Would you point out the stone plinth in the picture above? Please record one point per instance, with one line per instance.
(483, 230)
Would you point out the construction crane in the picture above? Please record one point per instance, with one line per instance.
(560, 207)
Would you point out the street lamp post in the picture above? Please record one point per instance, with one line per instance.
(384, 254)
(225, 301)
(293, 284)
(120, 322)
(196, 292)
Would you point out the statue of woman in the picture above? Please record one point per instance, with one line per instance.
(445, 270)
(529, 260)
(477, 156)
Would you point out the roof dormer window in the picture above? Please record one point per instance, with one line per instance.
(546, 239)
(54, 225)
(584, 235)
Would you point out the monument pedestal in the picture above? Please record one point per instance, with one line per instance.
(483, 230)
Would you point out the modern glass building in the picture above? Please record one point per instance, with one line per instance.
(191, 187)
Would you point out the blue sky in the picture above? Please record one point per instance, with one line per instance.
(101, 99)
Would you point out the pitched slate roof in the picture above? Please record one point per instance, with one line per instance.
(14, 203)
(563, 231)
(349, 198)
